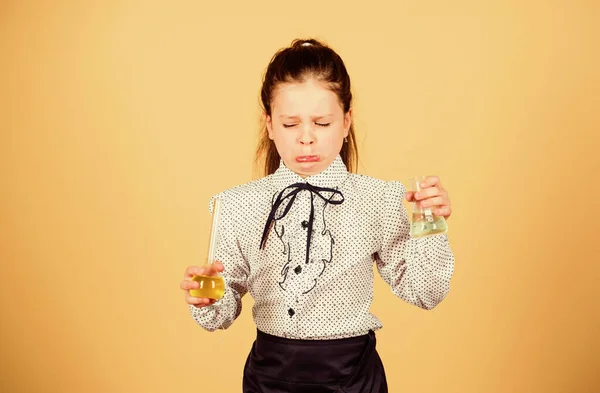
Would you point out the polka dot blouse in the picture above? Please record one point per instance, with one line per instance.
(304, 249)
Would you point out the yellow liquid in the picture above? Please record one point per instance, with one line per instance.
(423, 225)
(211, 287)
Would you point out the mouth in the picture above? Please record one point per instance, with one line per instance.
(307, 158)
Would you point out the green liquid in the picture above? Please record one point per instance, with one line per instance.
(425, 225)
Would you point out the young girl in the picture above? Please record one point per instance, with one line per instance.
(302, 240)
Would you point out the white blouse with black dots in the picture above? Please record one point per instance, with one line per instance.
(356, 220)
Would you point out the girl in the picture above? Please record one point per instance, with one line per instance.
(303, 238)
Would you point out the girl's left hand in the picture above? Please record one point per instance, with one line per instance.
(432, 195)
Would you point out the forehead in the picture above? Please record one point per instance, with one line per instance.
(309, 97)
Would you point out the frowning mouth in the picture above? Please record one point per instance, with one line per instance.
(307, 158)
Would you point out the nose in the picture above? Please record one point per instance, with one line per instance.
(307, 136)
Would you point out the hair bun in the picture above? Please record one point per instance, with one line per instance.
(301, 43)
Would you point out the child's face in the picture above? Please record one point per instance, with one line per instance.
(308, 126)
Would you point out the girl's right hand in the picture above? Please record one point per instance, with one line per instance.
(212, 270)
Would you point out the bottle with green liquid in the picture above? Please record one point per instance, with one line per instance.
(424, 222)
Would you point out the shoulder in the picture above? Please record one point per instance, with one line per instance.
(378, 188)
(384, 199)
(244, 195)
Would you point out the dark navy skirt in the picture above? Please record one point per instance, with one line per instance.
(281, 365)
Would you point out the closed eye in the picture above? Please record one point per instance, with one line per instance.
(319, 124)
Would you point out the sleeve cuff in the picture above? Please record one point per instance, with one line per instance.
(432, 250)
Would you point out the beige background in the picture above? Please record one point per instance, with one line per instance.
(119, 119)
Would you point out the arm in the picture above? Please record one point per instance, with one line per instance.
(222, 313)
(418, 270)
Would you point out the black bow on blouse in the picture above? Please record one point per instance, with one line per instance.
(290, 197)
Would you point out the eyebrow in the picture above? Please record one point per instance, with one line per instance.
(298, 117)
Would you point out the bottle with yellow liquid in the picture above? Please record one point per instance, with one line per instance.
(211, 287)
(424, 222)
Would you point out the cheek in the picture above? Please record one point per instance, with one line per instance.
(337, 137)
(284, 141)
(285, 137)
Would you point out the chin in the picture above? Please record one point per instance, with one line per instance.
(310, 168)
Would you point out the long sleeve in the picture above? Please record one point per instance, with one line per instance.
(418, 270)
(224, 311)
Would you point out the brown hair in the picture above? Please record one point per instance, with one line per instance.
(304, 59)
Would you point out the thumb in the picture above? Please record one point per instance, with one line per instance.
(215, 268)
(410, 196)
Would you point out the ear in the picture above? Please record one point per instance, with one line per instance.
(347, 122)
(269, 124)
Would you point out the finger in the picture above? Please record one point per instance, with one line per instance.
(214, 269)
(193, 271)
(427, 193)
(197, 301)
(444, 211)
(186, 285)
(434, 201)
(410, 196)
(430, 181)
(218, 266)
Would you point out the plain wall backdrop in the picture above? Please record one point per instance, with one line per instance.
(119, 119)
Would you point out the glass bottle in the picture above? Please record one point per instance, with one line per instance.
(211, 287)
(424, 222)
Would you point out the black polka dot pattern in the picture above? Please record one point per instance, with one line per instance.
(330, 296)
